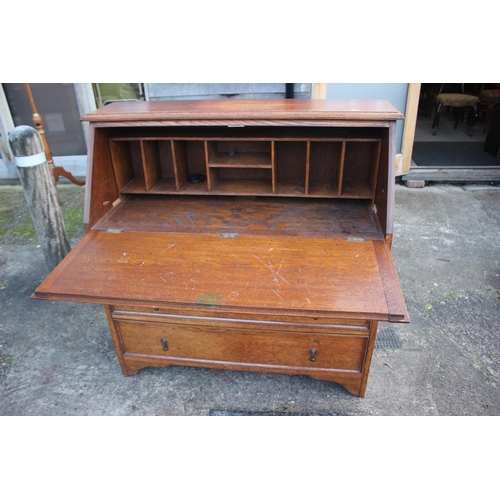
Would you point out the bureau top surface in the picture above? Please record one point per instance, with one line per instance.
(246, 109)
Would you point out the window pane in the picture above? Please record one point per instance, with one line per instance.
(56, 104)
(111, 92)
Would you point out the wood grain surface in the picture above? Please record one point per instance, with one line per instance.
(339, 352)
(247, 109)
(248, 273)
(275, 258)
(254, 216)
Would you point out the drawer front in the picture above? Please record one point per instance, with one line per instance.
(203, 317)
(306, 350)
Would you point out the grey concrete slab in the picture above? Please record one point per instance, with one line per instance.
(57, 358)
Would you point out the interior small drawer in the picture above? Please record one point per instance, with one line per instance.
(342, 352)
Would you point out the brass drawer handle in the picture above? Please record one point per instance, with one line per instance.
(164, 344)
(313, 353)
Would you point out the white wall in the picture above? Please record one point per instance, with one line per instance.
(175, 91)
(396, 93)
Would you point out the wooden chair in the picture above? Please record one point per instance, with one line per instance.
(457, 101)
(489, 97)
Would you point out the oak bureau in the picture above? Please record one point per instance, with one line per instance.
(242, 235)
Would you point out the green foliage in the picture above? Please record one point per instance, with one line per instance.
(16, 225)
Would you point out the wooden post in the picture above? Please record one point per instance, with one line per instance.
(40, 192)
(38, 122)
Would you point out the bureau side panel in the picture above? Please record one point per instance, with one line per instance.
(385, 194)
(100, 190)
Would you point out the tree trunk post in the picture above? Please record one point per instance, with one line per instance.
(40, 193)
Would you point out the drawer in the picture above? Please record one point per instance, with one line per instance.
(271, 348)
(217, 318)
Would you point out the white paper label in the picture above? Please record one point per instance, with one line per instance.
(30, 161)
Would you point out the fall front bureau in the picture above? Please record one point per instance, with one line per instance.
(248, 235)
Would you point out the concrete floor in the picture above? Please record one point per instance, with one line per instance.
(57, 358)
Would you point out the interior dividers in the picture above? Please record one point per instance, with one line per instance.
(273, 167)
(179, 157)
(340, 177)
(210, 151)
(122, 163)
(376, 160)
(150, 163)
(307, 172)
(128, 154)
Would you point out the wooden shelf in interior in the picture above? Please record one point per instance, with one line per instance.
(323, 189)
(168, 187)
(325, 186)
(241, 160)
(251, 187)
(242, 187)
(138, 167)
(164, 185)
(290, 189)
(134, 186)
(356, 190)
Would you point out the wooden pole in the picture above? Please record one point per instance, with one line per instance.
(40, 193)
(38, 122)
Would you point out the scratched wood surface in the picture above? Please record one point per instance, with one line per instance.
(281, 217)
(248, 272)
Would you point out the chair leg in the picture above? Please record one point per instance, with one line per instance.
(473, 114)
(435, 123)
(487, 120)
(457, 115)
